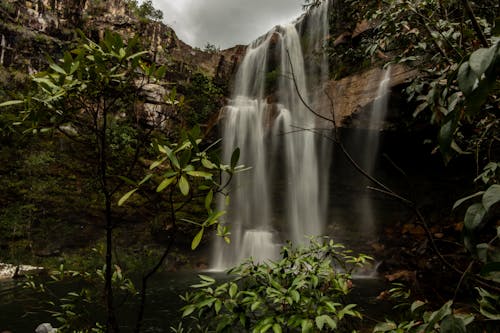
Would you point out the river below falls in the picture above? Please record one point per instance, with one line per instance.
(21, 310)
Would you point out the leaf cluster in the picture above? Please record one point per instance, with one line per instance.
(302, 292)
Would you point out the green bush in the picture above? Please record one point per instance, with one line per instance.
(303, 291)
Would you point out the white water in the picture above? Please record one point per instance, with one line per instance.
(371, 145)
(280, 198)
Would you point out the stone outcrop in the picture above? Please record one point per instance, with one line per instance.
(352, 96)
(8, 271)
(32, 29)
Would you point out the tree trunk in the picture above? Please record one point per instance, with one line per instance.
(111, 322)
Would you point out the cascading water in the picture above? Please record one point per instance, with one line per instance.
(281, 197)
(370, 145)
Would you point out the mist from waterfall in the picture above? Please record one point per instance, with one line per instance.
(282, 196)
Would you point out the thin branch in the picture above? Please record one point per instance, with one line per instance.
(475, 24)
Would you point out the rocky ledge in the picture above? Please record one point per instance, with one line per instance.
(8, 271)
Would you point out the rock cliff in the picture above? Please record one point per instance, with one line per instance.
(31, 30)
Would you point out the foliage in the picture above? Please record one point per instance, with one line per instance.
(75, 310)
(81, 96)
(489, 304)
(303, 291)
(442, 320)
(437, 38)
(420, 319)
(193, 172)
(145, 9)
(478, 217)
(203, 98)
(211, 48)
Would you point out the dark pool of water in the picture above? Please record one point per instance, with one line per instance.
(21, 311)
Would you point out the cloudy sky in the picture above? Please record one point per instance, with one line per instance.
(225, 23)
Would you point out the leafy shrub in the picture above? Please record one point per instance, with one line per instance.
(303, 291)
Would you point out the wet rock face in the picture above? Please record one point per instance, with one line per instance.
(353, 95)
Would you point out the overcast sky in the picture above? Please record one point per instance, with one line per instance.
(225, 23)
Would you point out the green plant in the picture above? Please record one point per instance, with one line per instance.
(203, 98)
(476, 218)
(418, 318)
(81, 96)
(489, 304)
(145, 10)
(442, 320)
(193, 172)
(303, 291)
(74, 310)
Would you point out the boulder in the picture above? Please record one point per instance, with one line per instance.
(45, 328)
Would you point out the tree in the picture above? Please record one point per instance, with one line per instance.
(92, 97)
(84, 97)
(146, 10)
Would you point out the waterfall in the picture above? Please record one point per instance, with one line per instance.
(280, 198)
(370, 144)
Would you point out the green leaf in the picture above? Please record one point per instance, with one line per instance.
(474, 216)
(417, 304)
(438, 315)
(74, 67)
(482, 252)
(385, 327)
(489, 304)
(188, 310)
(306, 325)
(491, 197)
(462, 200)
(446, 135)
(217, 306)
(138, 54)
(235, 156)
(145, 179)
(213, 218)
(277, 328)
(126, 196)
(452, 324)
(58, 69)
(165, 183)
(171, 156)
(324, 319)
(156, 164)
(184, 186)
(197, 239)
(467, 78)
(203, 174)
(206, 278)
(295, 295)
(233, 289)
(481, 59)
(208, 200)
(12, 102)
(207, 164)
(255, 306)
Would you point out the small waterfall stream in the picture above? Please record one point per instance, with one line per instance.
(370, 146)
(280, 197)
